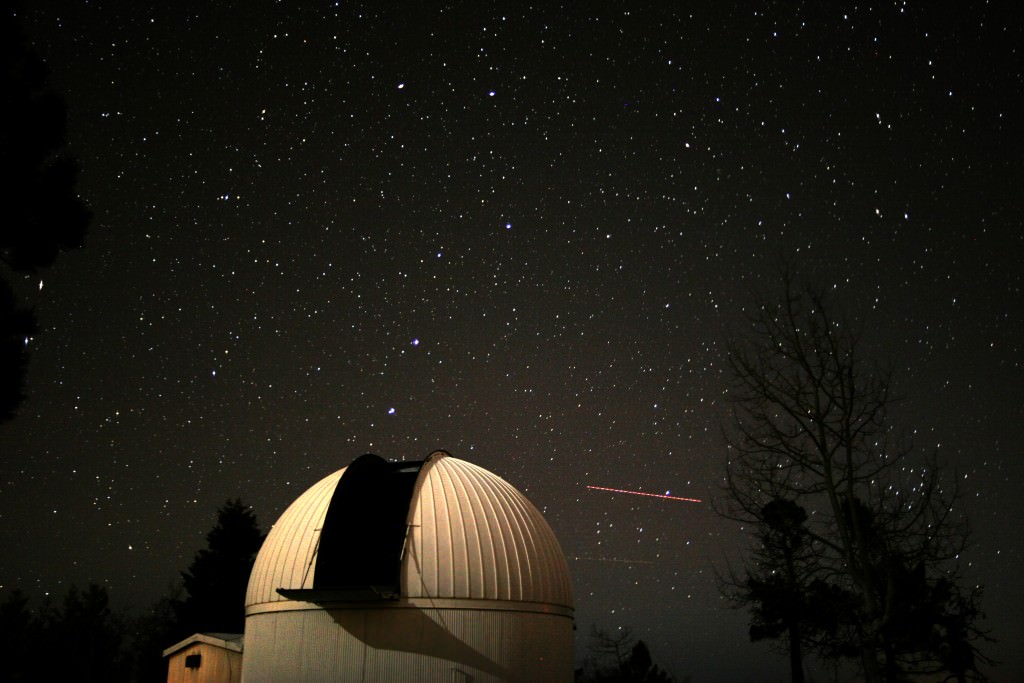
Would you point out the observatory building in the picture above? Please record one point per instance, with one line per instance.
(436, 570)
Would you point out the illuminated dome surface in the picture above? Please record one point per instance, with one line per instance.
(430, 571)
(442, 528)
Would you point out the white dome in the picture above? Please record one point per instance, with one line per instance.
(456, 532)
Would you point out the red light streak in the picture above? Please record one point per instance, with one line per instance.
(642, 493)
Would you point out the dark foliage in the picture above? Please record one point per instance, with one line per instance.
(96, 644)
(218, 576)
(151, 633)
(619, 659)
(81, 640)
(16, 326)
(19, 634)
(89, 637)
(42, 214)
(777, 589)
(930, 626)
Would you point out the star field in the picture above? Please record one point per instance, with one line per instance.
(521, 234)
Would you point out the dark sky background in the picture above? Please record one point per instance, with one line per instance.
(523, 234)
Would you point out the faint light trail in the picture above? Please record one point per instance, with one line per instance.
(643, 493)
(616, 560)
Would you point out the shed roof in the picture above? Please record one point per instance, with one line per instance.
(228, 641)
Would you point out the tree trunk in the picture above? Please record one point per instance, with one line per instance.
(796, 663)
(869, 660)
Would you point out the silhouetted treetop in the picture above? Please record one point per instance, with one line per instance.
(217, 579)
(40, 213)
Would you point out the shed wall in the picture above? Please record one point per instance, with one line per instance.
(216, 666)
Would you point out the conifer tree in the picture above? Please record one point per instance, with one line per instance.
(216, 580)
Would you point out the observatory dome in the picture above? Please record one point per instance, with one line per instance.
(410, 571)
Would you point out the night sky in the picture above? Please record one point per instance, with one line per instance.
(522, 234)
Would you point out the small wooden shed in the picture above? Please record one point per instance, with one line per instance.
(206, 658)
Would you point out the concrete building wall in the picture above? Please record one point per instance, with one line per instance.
(409, 643)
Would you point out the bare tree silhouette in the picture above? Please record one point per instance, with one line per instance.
(811, 426)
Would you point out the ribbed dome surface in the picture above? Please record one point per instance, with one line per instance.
(471, 536)
(475, 536)
(288, 553)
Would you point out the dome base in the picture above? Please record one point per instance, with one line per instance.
(408, 642)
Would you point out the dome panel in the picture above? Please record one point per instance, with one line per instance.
(475, 536)
(287, 557)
